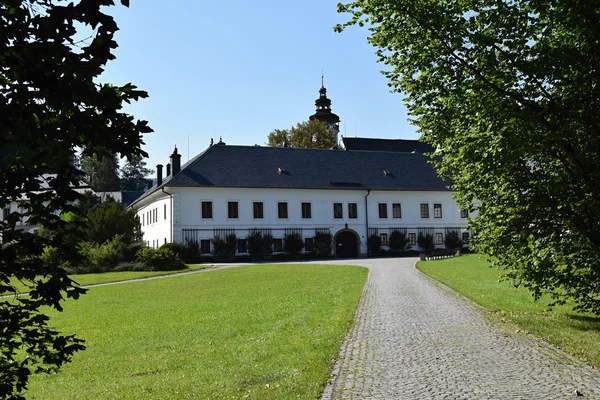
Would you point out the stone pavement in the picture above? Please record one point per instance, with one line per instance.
(416, 339)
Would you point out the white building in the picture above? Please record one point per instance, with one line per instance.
(352, 194)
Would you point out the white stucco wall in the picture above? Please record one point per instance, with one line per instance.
(187, 211)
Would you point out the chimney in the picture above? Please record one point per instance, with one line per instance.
(175, 162)
(159, 168)
(168, 169)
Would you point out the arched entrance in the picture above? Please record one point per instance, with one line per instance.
(346, 243)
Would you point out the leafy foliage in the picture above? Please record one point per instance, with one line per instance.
(134, 173)
(101, 172)
(426, 243)
(224, 247)
(177, 248)
(323, 243)
(111, 218)
(260, 244)
(452, 241)
(398, 241)
(192, 251)
(508, 92)
(293, 243)
(309, 134)
(373, 244)
(50, 105)
(159, 259)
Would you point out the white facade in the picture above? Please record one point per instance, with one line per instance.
(179, 217)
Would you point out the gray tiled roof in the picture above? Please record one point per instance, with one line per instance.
(397, 145)
(259, 167)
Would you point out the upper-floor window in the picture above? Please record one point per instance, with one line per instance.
(352, 211)
(382, 210)
(306, 211)
(282, 210)
(396, 210)
(257, 209)
(338, 211)
(232, 209)
(464, 213)
(424, 210)
(437, 210)
(207, 210)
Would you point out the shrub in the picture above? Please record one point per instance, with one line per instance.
(107, 255)
(159, 259)
(323, 244)
(112, 218)
(426, 243)
(453, 241)
(373, 244)
(260, 244)
(398, 241)
(192, 251)
(293, 243)
(224, 248)
(177, 248)
(130, 252)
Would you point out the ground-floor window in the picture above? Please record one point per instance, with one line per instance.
(412, 239)
(277, 245)
(309, 245)
(205, 246)
(439, 239)
(384, 239)
(242, 246)
(465, 237)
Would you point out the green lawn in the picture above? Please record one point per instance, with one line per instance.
(471, 276)
(256, 332)
(105, 277)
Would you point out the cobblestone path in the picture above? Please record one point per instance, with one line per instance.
(416, 339)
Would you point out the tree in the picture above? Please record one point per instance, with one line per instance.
(398, 241)
(310, 134)
(110, 219)
(509, 94)
(50, 106)
(134, 173)
(101, 173)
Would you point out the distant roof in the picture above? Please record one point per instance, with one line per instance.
(395, 145)
(295, 168)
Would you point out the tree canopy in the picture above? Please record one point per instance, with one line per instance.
(509, 93)
(50, 106)
(134, 174)
(102, 174)
(309, 134)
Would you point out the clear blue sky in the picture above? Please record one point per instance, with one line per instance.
(239, 69)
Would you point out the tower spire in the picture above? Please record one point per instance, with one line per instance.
(323, 112)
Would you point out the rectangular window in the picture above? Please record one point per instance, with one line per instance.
(232, 209)
(384, 239)
(396, 210)
(204, 246)
(424, 210)
(165, 211)
(278, 245)
(207, 209)
(306, 211)
(338, 211)
(437, 210)
(242, 246)
(309, 245)
(257, 210)
(282, 211)
(412, 239)
(143, 219)
(439, 239)
(465, 237)
(464, 214)
(6, 212)
(382, 210)
(352, 211)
